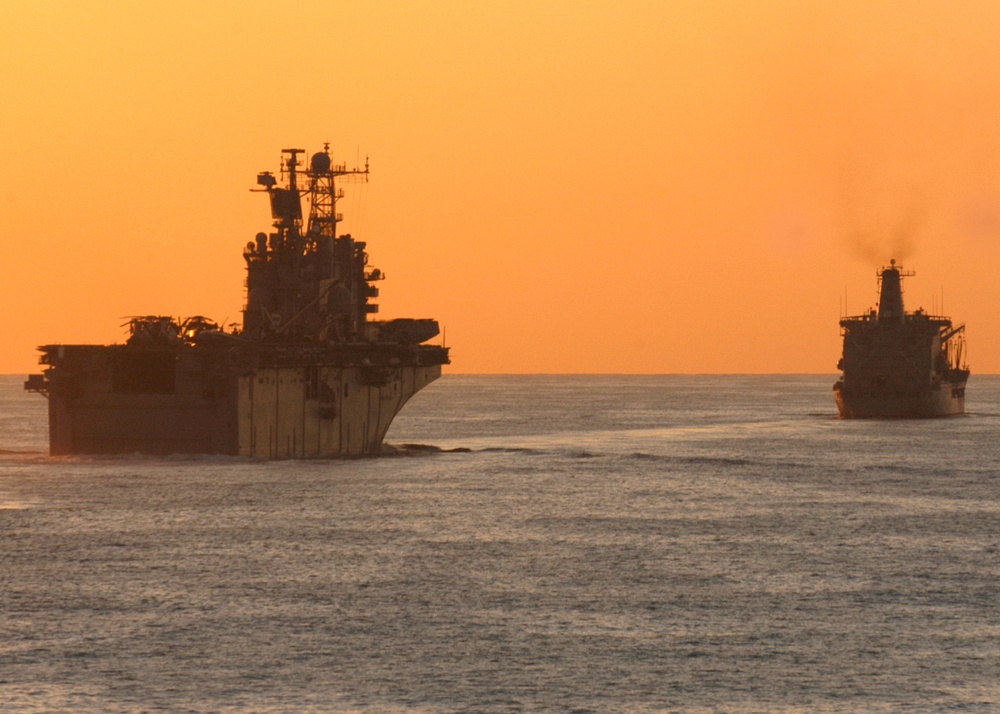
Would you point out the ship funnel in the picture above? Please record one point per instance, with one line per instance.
(890, 301)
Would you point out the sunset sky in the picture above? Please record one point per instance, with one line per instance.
(635, 187)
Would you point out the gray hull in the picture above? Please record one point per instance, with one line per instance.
(206, 406)
(279, 418)
(945, 399)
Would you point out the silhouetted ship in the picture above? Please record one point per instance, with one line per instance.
(307, 375)
(898, 363)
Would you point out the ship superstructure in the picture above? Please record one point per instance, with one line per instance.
(308, 374)
(900, 364)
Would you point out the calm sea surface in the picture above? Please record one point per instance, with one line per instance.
(599, 544)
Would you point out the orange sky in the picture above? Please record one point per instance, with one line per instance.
(566, 186)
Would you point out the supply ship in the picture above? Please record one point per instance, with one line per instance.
(308, 374)
(898, 363)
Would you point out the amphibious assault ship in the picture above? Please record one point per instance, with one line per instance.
(308, 374)
(898, 363)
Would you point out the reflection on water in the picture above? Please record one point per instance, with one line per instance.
(599, 544)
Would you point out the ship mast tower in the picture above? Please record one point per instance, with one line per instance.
(324, 194)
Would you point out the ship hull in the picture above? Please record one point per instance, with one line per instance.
(940, 400)
(187, 402)
(282, 416)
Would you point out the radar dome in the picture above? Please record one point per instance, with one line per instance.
(320, 162)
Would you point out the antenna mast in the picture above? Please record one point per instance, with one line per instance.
(324, 194)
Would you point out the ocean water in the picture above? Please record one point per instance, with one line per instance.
(558, 543)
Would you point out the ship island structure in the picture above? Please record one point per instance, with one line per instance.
(308, 374)
(900, 364)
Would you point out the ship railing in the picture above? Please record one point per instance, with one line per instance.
(857, 319)
(872, 316)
